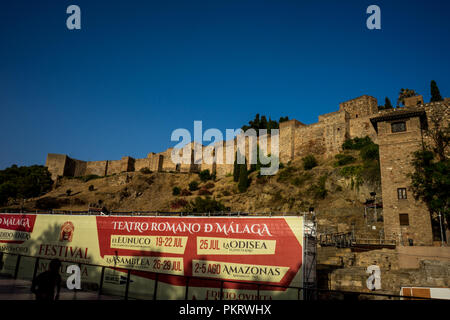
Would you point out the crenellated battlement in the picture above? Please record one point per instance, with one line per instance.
(296, 139)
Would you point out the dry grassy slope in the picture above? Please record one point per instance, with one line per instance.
(136, 191)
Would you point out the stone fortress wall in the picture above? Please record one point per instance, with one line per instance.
(358, 117)
(296, 140)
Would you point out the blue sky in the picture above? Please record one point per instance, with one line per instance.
(137, 70)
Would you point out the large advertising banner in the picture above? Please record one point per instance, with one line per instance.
(212, 255)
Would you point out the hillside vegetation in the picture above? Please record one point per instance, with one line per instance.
(344, 181)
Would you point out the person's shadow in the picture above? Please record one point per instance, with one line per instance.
(45, 284)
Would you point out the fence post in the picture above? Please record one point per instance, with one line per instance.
(100, 289)
(36, 266)
(16, 271)
(128, 284)
(187, 288)
(156, 287)
(221, 290)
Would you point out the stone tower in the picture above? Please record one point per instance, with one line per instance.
(400, 133)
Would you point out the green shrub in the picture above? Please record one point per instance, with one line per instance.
(318, 190)
(262, 179)
(301, 179)
(370, 152)
(277, 197)
(286, 174)
(185, 193)
(68, 192)
(145, 170)
(309, 162)
(91, 188)
(193, 185)
(355, 173)
(205, 175)
(371, 172)
(350, 171)
(204, 192)
(24, 182)
(243, 178)
(178, 203)
(176, 191)
(124, 193)
(209, 185)
(205, 205)
(343, 159)
(356, 143)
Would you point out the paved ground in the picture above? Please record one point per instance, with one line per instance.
(11, 289)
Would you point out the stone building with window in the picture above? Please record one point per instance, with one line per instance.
(399, 134)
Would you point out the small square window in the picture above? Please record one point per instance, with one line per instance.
(401, 193)
(398, 126)
(404, 219)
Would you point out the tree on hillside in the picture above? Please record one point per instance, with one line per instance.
(243, 178)
(430, 180)
(283, 119)
(435, 94)
(24, 182)
(405, 93)
(437, 132)
(387, 103)
(272, 124)
(236, 169)
(431, 183)
(261, 122)
(309, 162)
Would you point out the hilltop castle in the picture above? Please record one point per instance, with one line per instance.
(296, 139)
(398, 132)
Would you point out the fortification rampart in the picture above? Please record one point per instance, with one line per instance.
(399, 132)
(296, 139)
(324, 139)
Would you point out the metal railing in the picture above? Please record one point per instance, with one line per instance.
(189, 279)
(154, 213)
(348, 240)
(340, 239)
(376, 242)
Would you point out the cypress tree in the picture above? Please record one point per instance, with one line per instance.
(236, 169)
(435, 94)
(387, 103)
(263, 123)
(243, 178)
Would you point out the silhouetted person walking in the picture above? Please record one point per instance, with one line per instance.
(44, 284)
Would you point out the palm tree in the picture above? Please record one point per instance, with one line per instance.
(405, 93)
